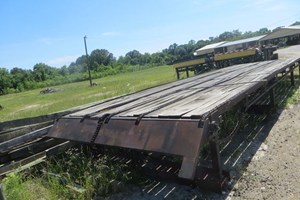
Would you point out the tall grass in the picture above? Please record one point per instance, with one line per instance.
(79, 173)
(18, 187)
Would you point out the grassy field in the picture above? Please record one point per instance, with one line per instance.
(32, 103)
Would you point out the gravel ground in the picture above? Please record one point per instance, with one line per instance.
(274, 171)
(289, 52)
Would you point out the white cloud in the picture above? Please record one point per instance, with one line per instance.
(64, 60)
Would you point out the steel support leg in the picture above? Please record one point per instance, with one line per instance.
(187, 71)
(1, 193)
(272, 97)
(299, 70)
(188, 168)
(292, 76)
(177, 72)
(189, 164)
(216, 160)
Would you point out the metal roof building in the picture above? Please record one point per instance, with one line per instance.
(247, 40)
(283, 32)
(291, 34)
(237, 45)
(207, 49)
(229, 46)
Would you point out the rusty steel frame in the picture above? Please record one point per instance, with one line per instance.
(180, 137)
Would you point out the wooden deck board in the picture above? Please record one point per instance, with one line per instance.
(190, 97)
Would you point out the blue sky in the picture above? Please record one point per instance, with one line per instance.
(52, 32)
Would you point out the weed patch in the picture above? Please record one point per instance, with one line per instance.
(79, 173)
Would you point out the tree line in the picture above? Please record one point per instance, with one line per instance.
(103, 63)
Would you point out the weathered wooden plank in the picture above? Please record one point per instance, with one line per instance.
(190, 95)
(59, 148)
(35, 159)
(13, 143)
(160, 91)
(214, 96)
(211, 105)
(185, 97)
(205, 101)
(152, 93)
(32, 120)
(179, 95)
(19, 165)
(33, 148)
(186, 106)
(16, 132)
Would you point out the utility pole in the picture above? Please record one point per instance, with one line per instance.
(88, 62)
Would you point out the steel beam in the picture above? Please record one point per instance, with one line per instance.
(272, 97)
(187, 71)
(1, 193)
(177, 73)
(292, 76)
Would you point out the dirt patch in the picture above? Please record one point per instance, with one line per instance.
(98, 95)
(33, 107)
(30, 107)
(274, 171)
(50, 90)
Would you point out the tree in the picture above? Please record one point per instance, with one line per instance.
(229, 36)
(102, 57)
(277, 28)
(145, 59)
(172, 48)
(133, 57)
(5, 81)
(263, 31)
(121, 60)
(42, 72)
(74, 68)
(157, 58)
(295, 23)
(20, 77)
(64, 71)
(81, 60)
(180, 51)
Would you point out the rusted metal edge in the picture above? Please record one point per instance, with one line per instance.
(169, 136)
